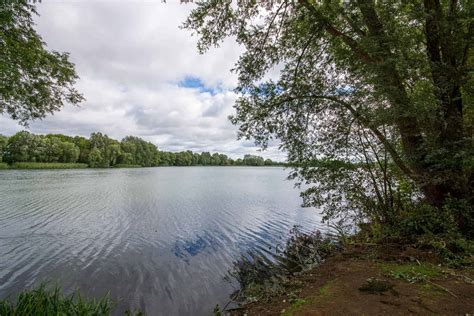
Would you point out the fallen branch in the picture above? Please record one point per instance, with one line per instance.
(442, 288)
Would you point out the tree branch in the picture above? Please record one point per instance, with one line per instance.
(331, 29)
(383, 140)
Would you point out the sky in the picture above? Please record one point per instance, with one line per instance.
(141, 75)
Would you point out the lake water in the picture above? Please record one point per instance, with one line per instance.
(157, 239)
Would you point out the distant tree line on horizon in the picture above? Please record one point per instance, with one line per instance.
(101, 151)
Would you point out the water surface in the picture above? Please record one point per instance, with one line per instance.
(158, 239)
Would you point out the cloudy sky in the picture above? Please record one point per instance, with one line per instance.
(141, 75)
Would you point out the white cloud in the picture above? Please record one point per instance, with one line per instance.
(131, 57)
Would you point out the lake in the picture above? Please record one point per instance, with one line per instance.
(157, 239)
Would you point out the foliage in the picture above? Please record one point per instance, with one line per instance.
(95, 158)
(251, 160)
(47, 165)
(45, 302)
(424, 219)
(137, 151)
(101, 151)
(104, 150)
(34, 80)
(84, 148)
(3, 165)
(372, 102)
(27, 147)
(3, 145)
(454, 250)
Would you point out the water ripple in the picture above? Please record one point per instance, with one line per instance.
(158, 239)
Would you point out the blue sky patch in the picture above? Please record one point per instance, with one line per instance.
(196, 83)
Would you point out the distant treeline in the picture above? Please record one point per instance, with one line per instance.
(101, 151)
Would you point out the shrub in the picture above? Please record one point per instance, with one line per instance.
(426, 219)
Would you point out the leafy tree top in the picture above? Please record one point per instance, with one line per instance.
(34, 81)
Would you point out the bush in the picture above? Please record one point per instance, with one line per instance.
(425, 219)
(453, 250)
(3, 165)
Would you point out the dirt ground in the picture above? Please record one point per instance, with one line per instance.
(413, 283)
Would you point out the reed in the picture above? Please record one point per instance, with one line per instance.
(43, 302)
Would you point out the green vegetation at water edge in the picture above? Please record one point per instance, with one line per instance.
(47, 165)
(123, 165)
(4, 165)
(44, 302)
(101, 151)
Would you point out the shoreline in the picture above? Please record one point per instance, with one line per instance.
(53, 166)
(379, 279)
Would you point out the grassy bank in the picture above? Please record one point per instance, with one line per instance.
(122, 165)
(47, 165)
(60, 165)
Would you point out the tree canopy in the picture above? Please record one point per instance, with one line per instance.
(371, 97)
(35, 81)
(101, 151)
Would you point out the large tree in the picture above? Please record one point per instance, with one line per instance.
(34, 81)
(385, 83)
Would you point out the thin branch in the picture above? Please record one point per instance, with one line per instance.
(300, 57)
(267, 34)
(331, 29)
(391, 150)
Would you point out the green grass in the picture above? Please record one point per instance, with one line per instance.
(43, 302)
(3, 165)
(324, 290)
(296, 305)
(123, 165)
(48, 165)
(412, 272)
